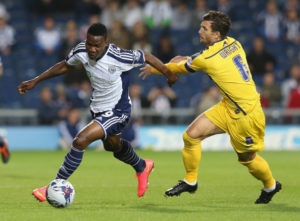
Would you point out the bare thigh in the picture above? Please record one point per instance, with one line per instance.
(91, 132)
(202, 128)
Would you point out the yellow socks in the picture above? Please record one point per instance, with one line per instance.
(260, 169)
(191, 154)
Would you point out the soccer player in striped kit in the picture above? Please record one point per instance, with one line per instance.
(107, 67)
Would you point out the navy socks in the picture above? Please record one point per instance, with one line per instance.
(70, 164)
(129, 156)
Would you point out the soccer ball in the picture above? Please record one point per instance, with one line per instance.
(60, 193)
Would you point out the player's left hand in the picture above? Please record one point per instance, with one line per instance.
(172, 79)
(146, 71)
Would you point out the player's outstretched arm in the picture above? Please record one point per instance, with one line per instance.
(155, 62)
(176, 66)
(56, 70)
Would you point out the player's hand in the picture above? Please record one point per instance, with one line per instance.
(25, 86)
(146, 71)
(172, 78)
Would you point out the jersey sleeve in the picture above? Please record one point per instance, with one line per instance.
(175, 68)
(73, 58)
(195, 63)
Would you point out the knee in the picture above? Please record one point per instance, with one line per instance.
(80, 142)
(245, 158)
(189, 141)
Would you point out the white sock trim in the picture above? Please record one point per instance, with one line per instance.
(270, 189)
(80, 151)
(192, 184)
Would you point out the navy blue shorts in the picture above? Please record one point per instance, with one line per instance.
(112, 122)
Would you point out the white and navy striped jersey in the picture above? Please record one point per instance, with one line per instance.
(108, 75)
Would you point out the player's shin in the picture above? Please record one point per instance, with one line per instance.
(71, 163)
(129, 156)
(260, 169)
(191, 154)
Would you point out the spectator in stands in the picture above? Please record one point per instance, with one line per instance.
(289, 84)
(142, 43)
(165, 50)
(227, 7)
(294, 98)
(47, 109)
(70, 38)
(79, 94)
(140, 37)
(42, 7)
(294, 102)
(7, 32)
(119, 35)
(181, 17)
(48, 37)
(138, 101)
(61, 102)
(210, 97)
(158, 14)
(161, 99)
(270, 91)
(86, 8)
(198, 12)
(85, 92)
(69, 127)
(84, 27)
(111, 13)
(291, 24)
(259, 59)
(270, 21)
(132, 13)
(291, 4)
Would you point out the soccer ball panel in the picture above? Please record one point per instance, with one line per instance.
(60, 193)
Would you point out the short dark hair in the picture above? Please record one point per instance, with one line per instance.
(220, 22)
(97, 29)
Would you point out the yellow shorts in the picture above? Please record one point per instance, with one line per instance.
(246, 133)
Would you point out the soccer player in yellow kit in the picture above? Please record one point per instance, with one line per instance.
(239, 113)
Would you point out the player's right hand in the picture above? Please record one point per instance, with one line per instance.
(25, 86)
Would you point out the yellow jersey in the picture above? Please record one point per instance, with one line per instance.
(225, 63)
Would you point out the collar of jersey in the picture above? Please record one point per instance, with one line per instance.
(206, 47)
(217, 42)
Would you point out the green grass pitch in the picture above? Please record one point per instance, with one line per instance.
(106, 188)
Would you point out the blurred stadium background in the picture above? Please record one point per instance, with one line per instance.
(35, 34)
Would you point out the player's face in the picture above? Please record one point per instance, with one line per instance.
(207, 36)
(95, 46)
